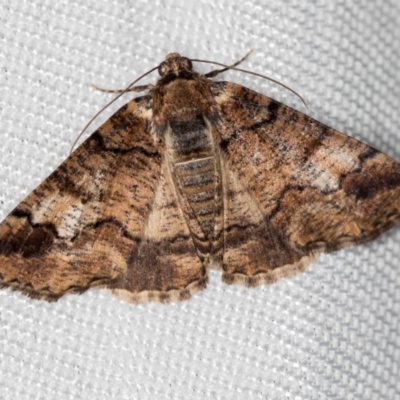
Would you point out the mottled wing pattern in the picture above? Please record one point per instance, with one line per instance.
(165, 266)
(194, 172)
(78, 228)
(294, 187)
(92, 221)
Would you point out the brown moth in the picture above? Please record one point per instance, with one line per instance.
(193, 175)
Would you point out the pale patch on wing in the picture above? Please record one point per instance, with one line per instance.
(327, 165)
(71, 223)
(323, 179)
(93, 182)
(45, 207)
(67, 213)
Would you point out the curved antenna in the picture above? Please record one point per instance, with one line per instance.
(107, 105)
(226, 67)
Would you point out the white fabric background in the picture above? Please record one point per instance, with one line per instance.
(330, 333)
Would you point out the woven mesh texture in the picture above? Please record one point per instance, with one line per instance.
(330, 333)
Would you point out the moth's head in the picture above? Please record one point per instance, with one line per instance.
(174, 62)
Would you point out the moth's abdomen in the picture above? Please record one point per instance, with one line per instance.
(191, 140)
(198, 180)
(195, 170)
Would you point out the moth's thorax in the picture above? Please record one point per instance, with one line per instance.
(181, 97)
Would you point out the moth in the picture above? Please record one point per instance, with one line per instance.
(193, 175)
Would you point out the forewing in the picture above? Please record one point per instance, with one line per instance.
(80, 227)
(310, 188)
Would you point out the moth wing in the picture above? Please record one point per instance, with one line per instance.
(165, 266)
(84, 225)
(295, 187)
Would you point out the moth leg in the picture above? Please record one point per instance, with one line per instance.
(216, 72)
(141, 88)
